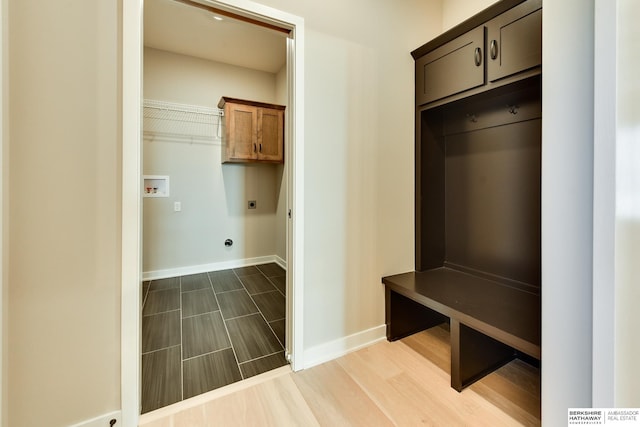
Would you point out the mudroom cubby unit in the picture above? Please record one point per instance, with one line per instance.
(477, 193)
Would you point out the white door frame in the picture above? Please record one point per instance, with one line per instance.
(132, 48)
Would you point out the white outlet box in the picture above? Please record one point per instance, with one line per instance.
(155, 186)
(177, 206)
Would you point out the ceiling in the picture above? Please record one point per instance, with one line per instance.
(187, 30)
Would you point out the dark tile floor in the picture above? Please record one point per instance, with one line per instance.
(204, 331)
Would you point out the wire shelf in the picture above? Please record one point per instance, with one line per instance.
(181, 122)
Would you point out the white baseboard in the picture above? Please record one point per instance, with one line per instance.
(216, 266)
(102, 421)
(337, 348)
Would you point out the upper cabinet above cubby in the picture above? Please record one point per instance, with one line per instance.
(514, 41)
(455, 67)
(504, 48)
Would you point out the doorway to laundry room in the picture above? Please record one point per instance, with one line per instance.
(214, 223)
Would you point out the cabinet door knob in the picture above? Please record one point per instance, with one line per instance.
(254, 147)
(493, 49)
(478, 56)
(261, 148)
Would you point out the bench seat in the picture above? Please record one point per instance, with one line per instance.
(491, 322)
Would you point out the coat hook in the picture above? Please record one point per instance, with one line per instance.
(513, 109)
(472, 117)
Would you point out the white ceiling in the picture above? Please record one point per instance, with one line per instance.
(187, 30)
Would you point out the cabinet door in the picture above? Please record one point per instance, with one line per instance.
(452, 68)
(514, 40)
(270, 134)
(241, 140)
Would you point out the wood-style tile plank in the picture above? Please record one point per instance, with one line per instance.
(161, 301)
(278, 327)
(164, 284)
(161, 378)
(160, 331)
(263, 364)
(194, 282)
(252, 337)
(271, 269)
(198, 302)
(145, 288)
(244, 271)
(271, 304)
(224, 281)
(256, 283)
(210, 371)
(236, 303)
(203, 334)
(280, 282)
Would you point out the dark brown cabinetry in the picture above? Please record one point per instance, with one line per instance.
(477, 201)
(254, 131)
(479, 59)
(514, 41)
(452, 68)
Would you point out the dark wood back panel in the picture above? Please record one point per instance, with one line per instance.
(478, 184)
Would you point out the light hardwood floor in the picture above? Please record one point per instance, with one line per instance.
(405, 383)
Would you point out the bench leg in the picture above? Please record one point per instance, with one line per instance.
(405, 316)
(474, 355)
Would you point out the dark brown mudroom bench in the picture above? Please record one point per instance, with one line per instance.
(478, 144)
(490, 322)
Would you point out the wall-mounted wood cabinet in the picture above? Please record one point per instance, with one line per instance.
(497, 52)
(254, 131)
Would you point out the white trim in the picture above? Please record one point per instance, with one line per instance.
(337, 348)
(101, 421)
(130, 326)
(202, 399)
(215, 266)
(131, 174)
(295, 257)
(604, 203)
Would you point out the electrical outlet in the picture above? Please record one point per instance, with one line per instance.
(252, 204)
(177, 206)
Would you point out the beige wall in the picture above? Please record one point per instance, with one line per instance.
(358, 155)
(65, 175)
(456, 11)
(4, 218)
(213, 196)
(64, 244)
